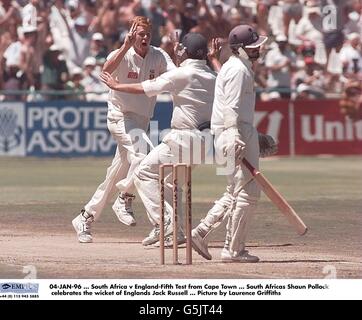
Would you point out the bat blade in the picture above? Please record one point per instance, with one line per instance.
(278, 200)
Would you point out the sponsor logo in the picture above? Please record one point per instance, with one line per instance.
(152, 74)
(132, 75)
(319, 129)
(68, 130)
(12, 129)
(19, 287)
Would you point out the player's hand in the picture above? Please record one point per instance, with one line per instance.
(131, 36)
(177, 47)
(108, 80)
(214, 50)
(234, 146)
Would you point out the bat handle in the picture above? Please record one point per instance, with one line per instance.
(249, 166)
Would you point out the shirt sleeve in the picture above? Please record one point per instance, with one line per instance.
(171, 81)
(111, 55)
(163, 83)
(166, 63)
(233, 86)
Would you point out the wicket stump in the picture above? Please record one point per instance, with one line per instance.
(174, 168)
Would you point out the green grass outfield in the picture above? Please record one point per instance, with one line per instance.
(43, 196)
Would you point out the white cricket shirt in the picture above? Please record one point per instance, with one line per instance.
(234, 94)
(192, 89)
(135, 69)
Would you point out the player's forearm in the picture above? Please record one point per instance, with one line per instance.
(135, 88)
(230, 117)
(215, 63)
(113, 62)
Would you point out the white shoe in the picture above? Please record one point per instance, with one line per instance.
(181, 239)
(154, 235)
(82, 225)
(200, 245)
(122, 207)
(243, 257)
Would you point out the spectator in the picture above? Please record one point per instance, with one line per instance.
(30, 13)
(108, 21)
(223, 26)
(31, 54)
(280, 62)
(189, 17)
(203, 27)
(128, 9)
(168, 45)
(75, 85)
(95, 88)
(158, 22)
(235, 18)
(74, 9)
(97, 47)
(12, 54)
(354, 21)
(12, 80)
(59, 21)
(9, 12)
(351, 57)
(263, 7)
(80, 35)
(82, 28)
(351, 102)
(334, 19)
(292, 10)
(55, 72)
(310, 28)
(173, 22)
(309, 81)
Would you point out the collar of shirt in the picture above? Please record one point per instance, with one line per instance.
(248, 64)
(193, 62)
(134, 53)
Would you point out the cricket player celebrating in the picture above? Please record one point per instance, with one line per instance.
(232, 124)
(192, 89)
(134, 62)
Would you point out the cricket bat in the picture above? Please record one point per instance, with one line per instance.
(277, 199)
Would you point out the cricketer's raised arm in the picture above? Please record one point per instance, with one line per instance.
(113, 84)
(167, 82)
(115, 57)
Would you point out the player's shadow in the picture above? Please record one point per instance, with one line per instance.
(221, 245)
(300, 260)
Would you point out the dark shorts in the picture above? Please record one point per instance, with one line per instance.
(333, 39)
(293, 10)
(285, 92)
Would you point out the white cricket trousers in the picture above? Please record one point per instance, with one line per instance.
(175, 148)
(126, 129)
(242, 193)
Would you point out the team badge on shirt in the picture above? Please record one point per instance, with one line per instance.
(152, 74)
(132, 75)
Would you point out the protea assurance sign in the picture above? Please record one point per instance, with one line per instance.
(54, 129)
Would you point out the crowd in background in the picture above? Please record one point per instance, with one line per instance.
(314, 47)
